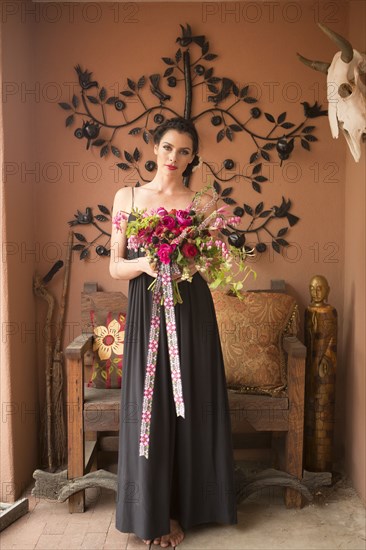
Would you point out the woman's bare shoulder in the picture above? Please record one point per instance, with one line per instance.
(123, 197)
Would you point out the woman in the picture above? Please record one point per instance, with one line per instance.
(188, 478)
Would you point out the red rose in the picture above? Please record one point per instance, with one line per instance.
(164, 252)
(189, 250)
(168, 222)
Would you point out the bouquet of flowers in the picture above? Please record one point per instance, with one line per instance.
(183, 237)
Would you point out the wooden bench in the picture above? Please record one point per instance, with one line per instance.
(94, 411)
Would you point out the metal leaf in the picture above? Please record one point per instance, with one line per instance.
(292, 220)
(93, 99)
(169, 71)
(69, 120)
(136, 155)
(226, 191)
(205, 48)
(210, 56)
(141, 82)
(256, 187)
(104, 209)
(98, 142)
(78, 247)
(135, 131)
(228, 200)
(128, 156)
(65, 106)
(282, 232)
(248, 209)
(281, 118)
(244, 91)
(146, 137)
(111, 100)
(235, 90)
(236, 128)
(225, 232)
(123, 166)
(260, 178)
(250, 99)
(75, 101)
(305, 144)
(253, 157)
(208, 73)
(257, 168)
(259, 208)
(131, 84)
(269, 146)
(308, 129)
(104, 150)
(102, 94)
(287, 125)
(84, 254)
(220, 136)
(127, 93)
(265, 155)
(80, 237)
(310, 137)
(178, 55)
(217, 187)
(229, 134)
(115, 151)
(282, 242)
(168, 60)
(269, 117)
(213, 88)
(101, 218)
(276, 247)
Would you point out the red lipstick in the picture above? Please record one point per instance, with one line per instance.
(171, 167)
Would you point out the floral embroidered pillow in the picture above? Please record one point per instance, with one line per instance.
(109, 333)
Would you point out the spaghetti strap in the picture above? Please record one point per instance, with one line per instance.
(133, 197)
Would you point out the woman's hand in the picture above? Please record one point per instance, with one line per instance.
(148, 267)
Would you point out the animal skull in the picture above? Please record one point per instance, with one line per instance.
(346, 85)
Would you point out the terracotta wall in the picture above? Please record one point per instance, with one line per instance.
(19, 365)
(256, 44)
(353, 335)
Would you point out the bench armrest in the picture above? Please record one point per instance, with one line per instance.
(77, 348)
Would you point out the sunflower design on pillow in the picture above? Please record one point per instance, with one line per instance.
(108, 339)
(109, 333)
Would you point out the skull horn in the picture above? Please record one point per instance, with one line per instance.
(345, 46)
(321, 66)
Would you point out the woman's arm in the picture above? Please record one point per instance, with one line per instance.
(119, 266)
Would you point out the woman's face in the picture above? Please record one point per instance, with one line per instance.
(174, 152)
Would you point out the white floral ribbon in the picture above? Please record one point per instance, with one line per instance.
(162, 289)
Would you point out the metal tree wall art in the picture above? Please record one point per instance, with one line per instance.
(231, 113)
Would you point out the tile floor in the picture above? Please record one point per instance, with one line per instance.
(335, 521)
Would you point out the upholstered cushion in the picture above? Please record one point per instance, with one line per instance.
(251, 332)
(109, 329)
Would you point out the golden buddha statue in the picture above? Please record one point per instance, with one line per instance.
(321, 343)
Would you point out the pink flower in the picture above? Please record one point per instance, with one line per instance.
(176, 375)
(146, 416)
(189, 250)
(164, 252)
(183, 218)
(161, 211)
(170, 327)
(144, 439)
(168, 222)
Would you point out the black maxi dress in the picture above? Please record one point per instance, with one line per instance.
(189, 475)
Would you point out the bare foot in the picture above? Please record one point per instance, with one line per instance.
(157, 540)
(146, 541)
(175, 536)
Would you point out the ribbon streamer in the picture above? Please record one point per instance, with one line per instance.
(163, 288)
